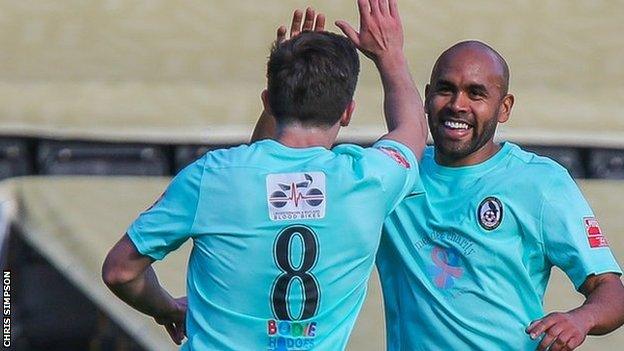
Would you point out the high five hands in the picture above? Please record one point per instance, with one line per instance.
(381, 34)
(312, 22)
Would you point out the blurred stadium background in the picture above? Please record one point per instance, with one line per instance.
(101, 101)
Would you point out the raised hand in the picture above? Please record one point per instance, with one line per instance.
(311, 22)
(381, 32)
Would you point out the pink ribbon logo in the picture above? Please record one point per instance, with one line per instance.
(446, 267)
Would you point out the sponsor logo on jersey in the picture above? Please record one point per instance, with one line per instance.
(293, 196)
(594, 233)
(490, 213)
(291, 336)
(395, 155)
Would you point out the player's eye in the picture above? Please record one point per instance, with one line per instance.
(477, 94)
(444, 89)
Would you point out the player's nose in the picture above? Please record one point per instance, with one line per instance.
(459, 103)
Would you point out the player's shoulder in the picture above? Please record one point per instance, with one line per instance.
(356, 153)
(541, 175)
(382, 151)
(350, 150)
(223, 157)
(385, 162)
(525, 161)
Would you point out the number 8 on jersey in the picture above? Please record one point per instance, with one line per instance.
(282, 253)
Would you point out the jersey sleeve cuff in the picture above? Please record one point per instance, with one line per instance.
(141, 245)
(580, 279)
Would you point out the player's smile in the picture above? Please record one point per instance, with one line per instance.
(455, 129)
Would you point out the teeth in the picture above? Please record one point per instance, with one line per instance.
(456, 125)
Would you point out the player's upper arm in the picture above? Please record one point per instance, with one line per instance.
(593, 281)
(124, 263)
(169, 222)
(573, 239)
(398, 169)
(413, 136)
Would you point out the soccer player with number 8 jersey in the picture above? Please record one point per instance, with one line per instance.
(284, 230)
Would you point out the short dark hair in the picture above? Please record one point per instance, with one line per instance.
(312, 78)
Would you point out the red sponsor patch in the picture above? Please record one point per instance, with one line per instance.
(594, 233)
(395, 155)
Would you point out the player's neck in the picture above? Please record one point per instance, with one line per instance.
(483, 154)
(302, 137)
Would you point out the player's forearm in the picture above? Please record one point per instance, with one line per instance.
(604, 306)
(266, 128)
(144, 293)
(403, 106)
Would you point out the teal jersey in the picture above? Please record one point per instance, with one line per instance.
(466, 266)
(284, 240)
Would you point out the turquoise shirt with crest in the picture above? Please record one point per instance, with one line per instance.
(284, 240)
(466, 266)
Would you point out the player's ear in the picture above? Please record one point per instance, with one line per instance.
(345, 119)
(265, 101)
(505, 108)
(427, 99)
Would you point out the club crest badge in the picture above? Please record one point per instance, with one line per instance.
(490, 213)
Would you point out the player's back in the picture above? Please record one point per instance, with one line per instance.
(285, 240)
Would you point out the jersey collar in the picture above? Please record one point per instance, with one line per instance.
(278, 147)
(431, 166)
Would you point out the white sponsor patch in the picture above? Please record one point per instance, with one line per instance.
(296, 196)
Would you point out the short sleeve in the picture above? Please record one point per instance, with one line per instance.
(167, 224)
(572, 235)
(398, 170)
